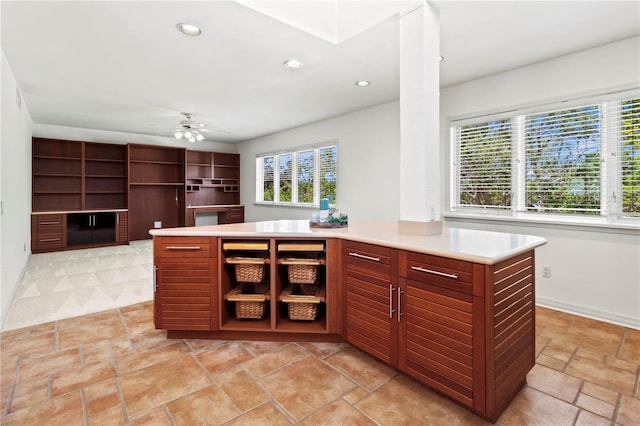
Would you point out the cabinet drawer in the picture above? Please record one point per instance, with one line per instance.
(439, 271)
(189, 247)
(49, 224)
(236, 214)
(368, 258)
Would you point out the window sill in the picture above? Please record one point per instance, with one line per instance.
(296, 205)
(594, 224)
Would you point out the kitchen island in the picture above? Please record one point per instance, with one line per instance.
(455, 311)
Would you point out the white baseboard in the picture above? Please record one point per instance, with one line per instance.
(6, 309)
(584, 311)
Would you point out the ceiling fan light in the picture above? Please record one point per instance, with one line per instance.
(178, 135)
(188, 134)
(199, 137)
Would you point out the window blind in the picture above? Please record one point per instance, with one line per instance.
(328, 172)
(483, 162)
(285, 177)
(627, 116)
(268, 178)
(305, 176)
(562, 161)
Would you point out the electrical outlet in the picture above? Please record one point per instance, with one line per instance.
(546, 271)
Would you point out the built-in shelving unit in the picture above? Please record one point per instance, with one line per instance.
(57, 175)
(283, 280)
(212, 178)
(156, 189)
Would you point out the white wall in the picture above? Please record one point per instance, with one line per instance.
(595, 272)
(368, 164)
(93, 135)
(15, 192)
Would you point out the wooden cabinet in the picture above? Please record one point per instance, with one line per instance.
(48, 232)
(371, 284)
(57, 175)
(231, 215)
(122, 227)
(287, 280)
(212, 178)
(156, 189)
(185, 284)
(105, 176)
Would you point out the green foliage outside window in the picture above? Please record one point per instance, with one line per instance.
(630, 156)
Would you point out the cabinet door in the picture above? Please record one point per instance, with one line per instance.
(439, 339)
(185, 297)
(371, 323)
(122, 227)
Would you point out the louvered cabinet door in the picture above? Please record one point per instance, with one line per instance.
(439, 339)
(371, 322)
(185, 283)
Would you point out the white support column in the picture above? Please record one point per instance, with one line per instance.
(420, 181)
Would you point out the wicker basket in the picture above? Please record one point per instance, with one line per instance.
(303, 274)
(303, 302)
(250, 310)
(250, 300)
(303, 311)
(249, 273)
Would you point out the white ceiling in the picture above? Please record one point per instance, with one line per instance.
(123, 66)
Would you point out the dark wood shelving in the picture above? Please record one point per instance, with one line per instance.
(154, 183)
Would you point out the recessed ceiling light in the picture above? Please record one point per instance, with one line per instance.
(293, 63)
(363, 83)
(440, 58)
(188, 29)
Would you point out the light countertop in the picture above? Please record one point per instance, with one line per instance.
(463, 244)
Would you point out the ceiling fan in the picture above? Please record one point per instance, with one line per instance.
(192, 130)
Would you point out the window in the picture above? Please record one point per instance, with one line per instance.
(583, 160)
(301, 177)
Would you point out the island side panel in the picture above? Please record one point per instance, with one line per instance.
(510, 331)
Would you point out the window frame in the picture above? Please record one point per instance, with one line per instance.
(611, 214)
(294, 153)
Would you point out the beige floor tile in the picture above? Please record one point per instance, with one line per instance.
(206, 406)
(560, 350)
(152, 357)
(223, 356)
(403, 401)
(105, 403)
(271, 361)
(356, 395)
(63, 411)
(554, 383)
(366, 371)
(550, 362)
(532, 407)
(595, 372)
(49, 364)
(148, 388)
(596, 406)
(586, 418)
(600, 392)
(629, 411)
(321, 349)
(156, 417)
(266, 414)
(306, 386)
(78, 378)
(338, 413)
(114, 416)
(245, 393)
(258, 348)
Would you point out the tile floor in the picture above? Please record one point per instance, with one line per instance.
(113, 367)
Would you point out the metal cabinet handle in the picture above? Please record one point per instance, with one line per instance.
(399, 309)
(155, 278)
(362, 256)
(430, 271)
(49, 223)
(182, 248)
(391, 311)
(48, 240)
